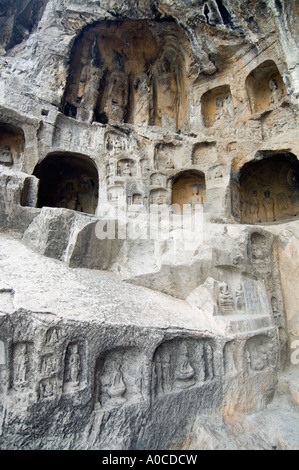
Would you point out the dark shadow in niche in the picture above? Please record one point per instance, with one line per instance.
(68, 180)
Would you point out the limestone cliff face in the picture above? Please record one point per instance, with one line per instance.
(149, 186)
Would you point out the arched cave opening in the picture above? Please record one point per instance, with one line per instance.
(189, 188)
(269, 189)
(68, 180)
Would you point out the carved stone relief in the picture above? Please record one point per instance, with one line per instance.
(159, 196)
(116, 143)
(53, 335)
(226, 301)
(260, 251)
(182, 364)
(21, 364)
(116, 195)
(269, 190)
(118, 378)
(241, 295)
(73, 367)
(168, 91)
(189, 189)
(12, 142)
(121, 74)
(157, 179)
(168, 156)
(126, 167)
(47, 388)
(217, 105)
(265, 86)
(261, 353)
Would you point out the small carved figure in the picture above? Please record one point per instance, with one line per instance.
(255, 360)
(254, 206)
(118, 388)
(137, 199)
(6, 156)
(276, 92)
(21, 364)
(87, 195)
(117, 97)
(160, 199)
(69, 197)
(226, 302)
(48, 364)
(195, 198)
(169, 164)
(52, 336)
(47, 389)
(240, 299)
(126, 170)
(166, 383)
(185, 375)
(282, 202)
(74, 364)
(223, 107)
(141, 98)
(268, 204)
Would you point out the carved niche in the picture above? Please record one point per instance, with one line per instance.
(73, 367)
(168, 156)
(118, 378)
(181, 364)
(217, 105)
(127, 72)
(69, 181)
(261, 353)
(21, 364)
(12, 142)
(265, 86)
(189, 189)
(269, 189)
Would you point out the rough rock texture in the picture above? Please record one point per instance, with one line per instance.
(149, 198)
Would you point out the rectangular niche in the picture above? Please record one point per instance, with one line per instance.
(216, 105)
(264, 86)
(204, 153)
(168, 156)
